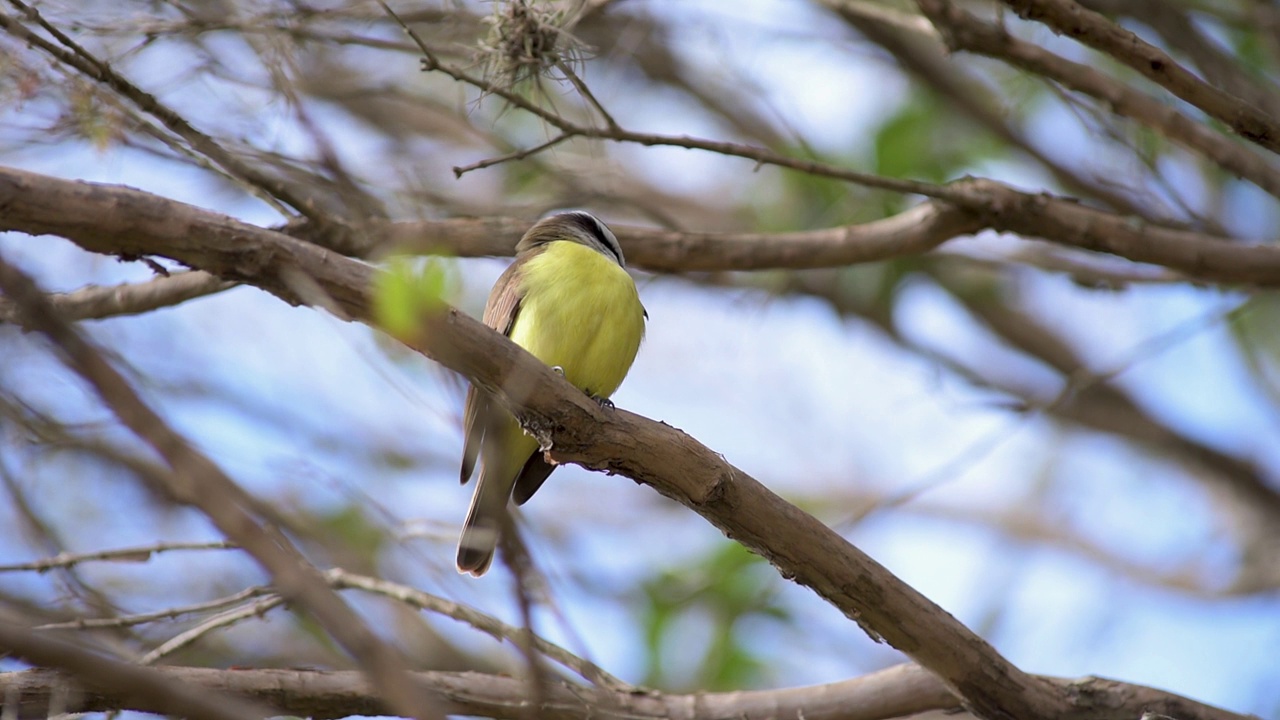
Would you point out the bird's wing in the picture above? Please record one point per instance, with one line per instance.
(500, 314)
(535, 472)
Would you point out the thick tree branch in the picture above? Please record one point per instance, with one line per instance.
(914, 231)
(990, 205)
(1068, 223)
(891, 693)
(114, 220)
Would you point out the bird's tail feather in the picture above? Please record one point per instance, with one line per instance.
(483, 526)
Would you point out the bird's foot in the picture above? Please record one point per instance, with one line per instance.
(557, 370)
(604, 402)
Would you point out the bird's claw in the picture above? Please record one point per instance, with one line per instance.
(557, 370)
(603, 401)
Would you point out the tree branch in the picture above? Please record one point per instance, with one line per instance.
(128, 684)
(92, 303)
(895, 692)
(989, 205)
(1180, 31)
(141, 553)
(1096, 31)
(914, 231)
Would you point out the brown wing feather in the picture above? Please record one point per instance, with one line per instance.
(504, 300)
(472, 432)
(531, 477)
(500, 314)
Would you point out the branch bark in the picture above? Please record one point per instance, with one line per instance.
(911, 232)
(91, 303)
(127, 684)
(891, 693)
(105, 218)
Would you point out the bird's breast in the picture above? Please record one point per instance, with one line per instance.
(580, 311)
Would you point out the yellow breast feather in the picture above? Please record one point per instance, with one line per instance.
(580, 312)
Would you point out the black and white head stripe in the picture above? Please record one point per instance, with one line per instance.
(577, 226)
(595, 233)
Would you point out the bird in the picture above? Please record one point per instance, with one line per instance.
(568, 300)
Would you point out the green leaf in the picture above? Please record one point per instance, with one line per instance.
(409, 289)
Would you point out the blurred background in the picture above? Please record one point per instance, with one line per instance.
(1075, 455)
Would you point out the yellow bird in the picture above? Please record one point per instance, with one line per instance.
(568, 300)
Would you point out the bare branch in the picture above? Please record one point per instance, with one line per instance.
(128, 684)
(141, 553)
(167, 614)
(257, 608)
(895, 692)
(1067, 223)
(485, 623)
(517, 155)
(1182, 33)
(92, 303)
(265, 600)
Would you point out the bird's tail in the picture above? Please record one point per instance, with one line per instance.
(483, 526)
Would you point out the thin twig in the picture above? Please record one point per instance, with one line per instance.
(586, 93)
(258, 608)
(142, 553)
(459, 171)
(167, 614)
(762, 156)
(487, 624)
(95, 302)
